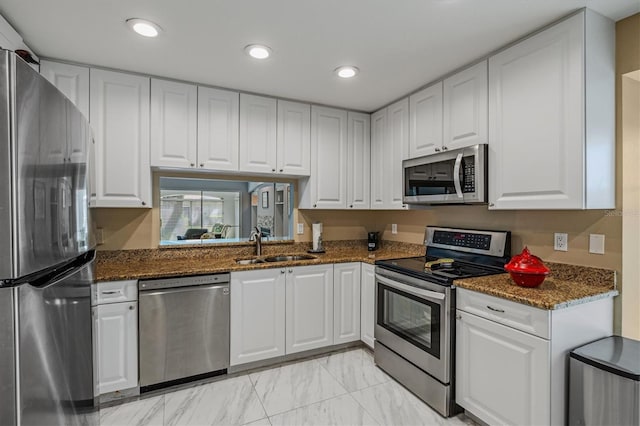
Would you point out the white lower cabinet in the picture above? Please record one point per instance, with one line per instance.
(346, 302)
(511, 359)
(309, 308)
(368, 304)
(116, 340)
(501, 372)
(257, 315)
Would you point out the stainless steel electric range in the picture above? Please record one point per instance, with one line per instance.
(415, 308)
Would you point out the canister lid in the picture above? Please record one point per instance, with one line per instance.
(615, 354)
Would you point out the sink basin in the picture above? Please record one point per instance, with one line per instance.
(288, 258)
(248, 261)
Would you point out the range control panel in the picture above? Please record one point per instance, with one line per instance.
(462, 239)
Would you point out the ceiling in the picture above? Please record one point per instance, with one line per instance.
(399, 45)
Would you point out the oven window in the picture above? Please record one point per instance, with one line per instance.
(410, 317)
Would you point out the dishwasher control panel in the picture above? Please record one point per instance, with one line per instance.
(161, 283)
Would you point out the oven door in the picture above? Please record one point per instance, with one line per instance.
(414, 321)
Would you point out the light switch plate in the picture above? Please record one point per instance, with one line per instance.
(560, 242)
(300, 228)
(394, 228)
(596, 243)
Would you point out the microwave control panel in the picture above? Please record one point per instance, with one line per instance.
(468, 175)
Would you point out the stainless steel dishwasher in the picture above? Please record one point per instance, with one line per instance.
(184, 329)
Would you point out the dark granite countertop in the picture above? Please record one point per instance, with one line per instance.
(566, 285)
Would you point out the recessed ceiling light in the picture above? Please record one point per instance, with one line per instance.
(347, 71)
(258, 51)
(144, 27)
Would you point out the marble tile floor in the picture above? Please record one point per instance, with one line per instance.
(341, 388)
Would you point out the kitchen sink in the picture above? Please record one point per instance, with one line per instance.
(248, 261)
(288, 258)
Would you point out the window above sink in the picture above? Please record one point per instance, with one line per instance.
(211, 211)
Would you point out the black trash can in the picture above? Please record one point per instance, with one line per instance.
(604, 383)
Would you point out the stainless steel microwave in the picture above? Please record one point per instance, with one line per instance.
(452, 177)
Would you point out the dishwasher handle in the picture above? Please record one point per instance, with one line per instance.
(153, 292)
(175, 282)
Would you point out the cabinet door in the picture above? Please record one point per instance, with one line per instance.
(536, 109)
(120, 119)
(72, 80)
(395, 150)
(257, 315)
(379, 161)
(465, 107)
(368, 304)
(116, 330)
(309, 306)
(346, 302)
(502, 374)
(218, 125)
(294, 138)
(426, 121)
(358, 160)
(174, 121)
(257, 134)
(329, 158)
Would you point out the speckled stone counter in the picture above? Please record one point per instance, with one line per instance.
(171, 262)
(566, 285)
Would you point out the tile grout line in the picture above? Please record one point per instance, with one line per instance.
(255, 391)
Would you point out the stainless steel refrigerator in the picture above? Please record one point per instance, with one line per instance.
(46, 254)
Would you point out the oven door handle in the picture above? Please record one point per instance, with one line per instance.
(427, 294)
(456, 175)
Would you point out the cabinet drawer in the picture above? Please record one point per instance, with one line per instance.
(114, 292)
(521, 317)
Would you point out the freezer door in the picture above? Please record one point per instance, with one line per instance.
(50, 189)
(56, 383)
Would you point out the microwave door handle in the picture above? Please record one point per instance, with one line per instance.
(456, 175)
(422, 293)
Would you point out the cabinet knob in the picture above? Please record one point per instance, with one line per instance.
(282, 271)
(351, 205)
(290, 270)
(281, 170)
(201, 164)
(444, 148)
(144, 204)
(437, 149)
(131, 307)
(193, 164)
(404, 206)
(458, 316)
(491, 205)
(315, 205)
(273, 170)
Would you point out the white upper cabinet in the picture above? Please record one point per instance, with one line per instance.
(389, 146)
(465, 107)
(258, 134)
(327, 186)
(218, 124)
(426, 121)
(294, 138)
(174, 121)
(551, 118)
(358, 161)
(119, 111)
(72, 80)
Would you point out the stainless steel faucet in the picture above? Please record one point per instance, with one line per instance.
(256, 235)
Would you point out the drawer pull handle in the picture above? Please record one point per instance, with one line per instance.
(111, 292)
(495, 309)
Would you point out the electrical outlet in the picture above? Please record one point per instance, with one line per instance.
(560, 242)
(300, 228)
(596, 243)
(99, 236)
(394, 228)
